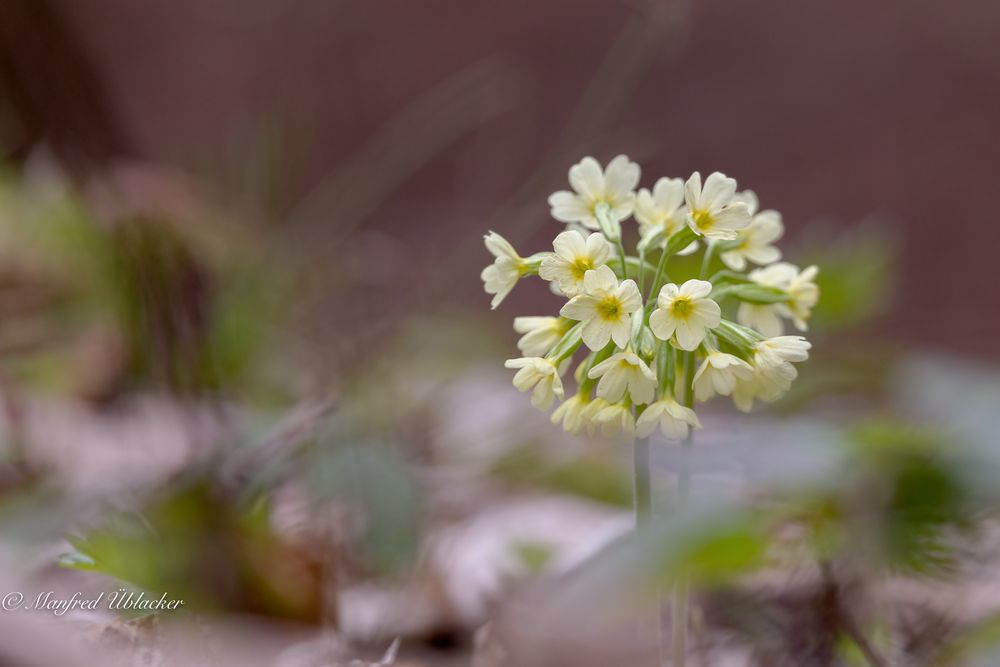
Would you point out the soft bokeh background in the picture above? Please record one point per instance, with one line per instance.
(425, 119)
(241, 244)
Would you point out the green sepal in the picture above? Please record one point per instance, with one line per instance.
(653, 239)
(740, 337)
(752, 293)
(531, 264)
(567, 345)
(610, 226)
(681, 239)
(666, 368)
(582, 373)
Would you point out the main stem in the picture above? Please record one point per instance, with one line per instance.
(680, 608)
(641, 487)
(642, 499)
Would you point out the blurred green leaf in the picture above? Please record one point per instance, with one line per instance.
(378, 481)
(856, 271)
(585, 476)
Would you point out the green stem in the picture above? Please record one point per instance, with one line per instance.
(680, 609)
(706, 261)
(641, 486)
(621, 255)
(660, 268)
(642, 270)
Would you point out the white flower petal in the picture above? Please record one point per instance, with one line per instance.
(661, 324)
(696, 289)
(601, 279)
(612, 386)
(587, 178)
(569, 207)
(718, 192)
(596, 333)
(621, 177)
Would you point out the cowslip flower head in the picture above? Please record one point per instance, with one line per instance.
(575, 254)
(718, 374)
(634, 357)
(621, 372)
(674, 419)
(756, 239)
(500, 277)
(540, 376)
(712, 213)
(685, 312)
(541, 333)
(571, 413)
(614, 186)
(605, 307)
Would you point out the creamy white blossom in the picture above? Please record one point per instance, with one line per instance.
(614, 186)
(773, 372)
(805, 296)
(762, 317)
(712, 213)
(541, 376)
(802, 291)
(663, 210)
(541, 333)
(685, 312)
(773, 359)
(615, 419)
(605, 307)
(673, 419)
(624, 371)
(575, 254)
(588, 415)
(571, 413)
(756, 239)
(718, 374)
(500, 277)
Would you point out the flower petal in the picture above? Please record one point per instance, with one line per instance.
(587, 178)
(621, 177)
(718, 192)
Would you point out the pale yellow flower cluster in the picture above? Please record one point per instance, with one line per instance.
(648, 346)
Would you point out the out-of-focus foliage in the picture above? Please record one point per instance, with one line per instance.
(141, 302)
(857, 275)
(586, 477)
(374, 481)
(194, 543)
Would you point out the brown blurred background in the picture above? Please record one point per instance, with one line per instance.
(405, 129)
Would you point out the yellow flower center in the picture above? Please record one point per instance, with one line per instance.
(610, 308)
(580, 267)
(669, 225)
(703, 220)
(681, 307)
(602, 199)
